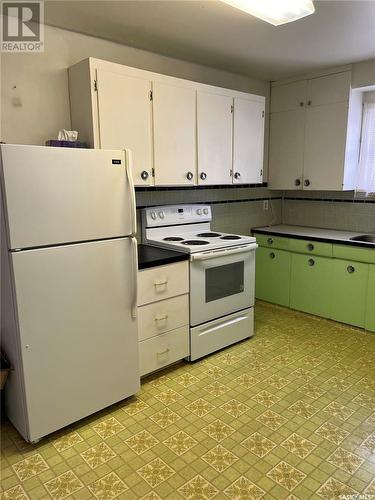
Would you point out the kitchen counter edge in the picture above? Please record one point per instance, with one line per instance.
(150, 256)
(325, 239)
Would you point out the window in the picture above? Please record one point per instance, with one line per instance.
(366, 172)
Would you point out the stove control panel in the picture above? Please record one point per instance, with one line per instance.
(171, 215)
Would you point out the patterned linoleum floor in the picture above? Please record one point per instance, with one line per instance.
(287, 414)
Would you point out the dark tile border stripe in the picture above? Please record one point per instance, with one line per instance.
(335, 200)
(198, 188)
(216, 202)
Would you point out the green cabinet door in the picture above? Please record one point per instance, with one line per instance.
(272, 276)
(311, 284)
(349, 291)
(370, 303)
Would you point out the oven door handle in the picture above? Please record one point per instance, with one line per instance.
(223, 253)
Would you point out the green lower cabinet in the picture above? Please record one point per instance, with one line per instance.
(349, 291)
(370, 303)
(311, 284)
(272, 276)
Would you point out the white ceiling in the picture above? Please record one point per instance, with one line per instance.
(212, 33)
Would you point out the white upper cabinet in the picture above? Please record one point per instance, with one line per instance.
(314, 139)
(329, 89)
(125, 119)
(214, 131)
(288, 97)
(248, 141)
(174, 134)
(181, 133)
(324, 152)
(287, 134)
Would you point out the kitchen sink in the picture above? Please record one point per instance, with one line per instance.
(367, 238)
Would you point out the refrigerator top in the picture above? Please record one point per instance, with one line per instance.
(56, 196)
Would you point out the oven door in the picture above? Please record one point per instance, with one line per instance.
(221, 282)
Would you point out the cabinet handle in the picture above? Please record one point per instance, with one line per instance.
(144, 175)
(350, 269)
(203, 176)
(309, 103)
(160, 283)
(301, 104)
(163, 352)
(311, 262)
(270, 241)
(189, 175)
(306, 182)
(272, 255)
(161, 317)
(310, 247)
(297, 182)
(237, 175)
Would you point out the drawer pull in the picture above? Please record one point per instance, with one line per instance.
(161, 317)
(350, 269)
(311, 262)
(166, 351)
(272, 255)
(160, 283)
(310, 247)
(270, 241)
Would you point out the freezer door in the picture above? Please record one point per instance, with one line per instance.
(79, 343)
(64, 195)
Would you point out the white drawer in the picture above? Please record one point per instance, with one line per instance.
(162, 282)
(163, 350)
(163, 316)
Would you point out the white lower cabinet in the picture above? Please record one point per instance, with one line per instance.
(162, 282)
(162, 350)
(163, 316)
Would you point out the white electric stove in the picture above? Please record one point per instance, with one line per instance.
(222, 274)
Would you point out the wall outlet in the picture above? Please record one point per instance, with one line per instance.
(265, 204)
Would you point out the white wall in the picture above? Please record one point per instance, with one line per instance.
(363, 74)
(35, 97)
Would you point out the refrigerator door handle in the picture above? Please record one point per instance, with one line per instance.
(129, 164)
(135, 276)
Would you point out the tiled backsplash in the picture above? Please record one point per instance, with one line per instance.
(238, 209)
(235, 209)
(326, 209)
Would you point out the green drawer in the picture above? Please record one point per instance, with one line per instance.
(358, 254)
(311, 247)
(271, 241)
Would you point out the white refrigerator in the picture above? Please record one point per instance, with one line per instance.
(69, 284)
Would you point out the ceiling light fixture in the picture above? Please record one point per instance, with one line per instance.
(275, 12)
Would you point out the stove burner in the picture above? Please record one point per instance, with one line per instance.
(195, 242)
(173, 238)
(230, 237)
(208, 235)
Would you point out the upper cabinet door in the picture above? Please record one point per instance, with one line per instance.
(214, 122)
(289, 96)
(286, 149)
(325, 143)
(248, 141)
(125, 120)
(329, 89)
(174, 111)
